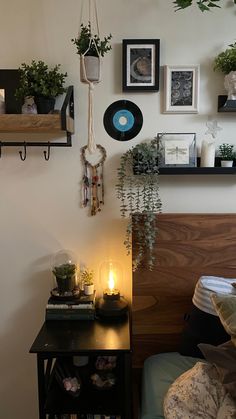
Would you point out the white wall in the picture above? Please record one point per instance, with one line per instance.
(40, 209)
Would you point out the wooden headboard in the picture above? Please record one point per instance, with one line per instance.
(188, 246)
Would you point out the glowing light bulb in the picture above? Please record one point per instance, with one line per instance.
(111, 281)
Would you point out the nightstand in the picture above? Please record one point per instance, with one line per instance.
(59, 339)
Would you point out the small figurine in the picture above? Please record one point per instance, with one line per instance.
(29, 106)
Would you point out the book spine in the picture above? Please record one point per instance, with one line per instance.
(69, 306)
(70, 316)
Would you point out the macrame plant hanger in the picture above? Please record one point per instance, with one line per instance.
(84, 73)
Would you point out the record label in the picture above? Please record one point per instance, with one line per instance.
(123, 120)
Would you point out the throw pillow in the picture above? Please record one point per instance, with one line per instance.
(225, 307)
(224, 359)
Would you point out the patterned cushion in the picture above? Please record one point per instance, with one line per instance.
(225, 307)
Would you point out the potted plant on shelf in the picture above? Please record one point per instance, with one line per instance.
(226, 63)
(65, 276)
(42, 83)
(87, 281)
(226, 154)
(138, 190)
(90, 48)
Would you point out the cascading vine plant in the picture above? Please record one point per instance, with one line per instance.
(204, 5)
(138, 190)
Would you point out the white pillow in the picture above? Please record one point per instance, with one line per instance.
(205, 286)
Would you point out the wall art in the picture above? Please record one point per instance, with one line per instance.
(181, 89)
(141, 64)
(9, 82)
(177, 149)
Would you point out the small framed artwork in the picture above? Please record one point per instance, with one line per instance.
(181, 89)
(9, 82)
(141, 64)
(177, 149)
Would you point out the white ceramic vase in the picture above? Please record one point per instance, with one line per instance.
(88, 289)
(226, 163)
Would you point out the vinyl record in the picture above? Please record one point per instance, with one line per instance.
(123, 120)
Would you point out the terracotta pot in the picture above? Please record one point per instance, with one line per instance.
(89, 68)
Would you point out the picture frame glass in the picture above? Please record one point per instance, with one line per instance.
(177, 149)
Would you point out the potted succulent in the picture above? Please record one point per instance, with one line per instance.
(44, 84)
(87, 281)
(226, 154)
(226, 63)
(65, 276)
(138, 190)
(90, 47)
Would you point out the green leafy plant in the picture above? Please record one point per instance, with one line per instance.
(203, 5)
(87, 277)
(89, 44)
(226, 151)
(37, 79)
(65, 270)
(138, 190)
(226, 60)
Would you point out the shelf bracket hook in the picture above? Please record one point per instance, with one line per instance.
(23, 157)
(47, 153)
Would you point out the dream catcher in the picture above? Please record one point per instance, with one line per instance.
(93, 180)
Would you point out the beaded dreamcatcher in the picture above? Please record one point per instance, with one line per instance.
(93, 181)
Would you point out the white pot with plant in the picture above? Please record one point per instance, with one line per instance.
(87, 279)
(226, 63)
(226, 154)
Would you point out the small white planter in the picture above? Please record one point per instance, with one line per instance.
(89, 68)
(226, 163)
(89, 289)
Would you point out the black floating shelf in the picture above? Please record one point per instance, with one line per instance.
(217, 170)
(225, 105)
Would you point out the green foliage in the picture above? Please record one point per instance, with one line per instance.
(226, 151)
(37, 79)
(226, 60)
(203, 5)
(87, 277)
(65, 270)
(138, 191)
(85, 44)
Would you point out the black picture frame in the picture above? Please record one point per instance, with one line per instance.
(9, 82)
(141, 64)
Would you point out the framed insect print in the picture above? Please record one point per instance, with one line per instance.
(177, 149)
(141, 64)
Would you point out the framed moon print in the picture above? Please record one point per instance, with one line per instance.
(141, 64)
(181, 89)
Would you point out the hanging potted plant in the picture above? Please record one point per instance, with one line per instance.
(138, 191)
(90, 48)
(41, 83)
(226, 63)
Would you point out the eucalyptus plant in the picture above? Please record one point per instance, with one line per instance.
(203, 5)
(138, 191)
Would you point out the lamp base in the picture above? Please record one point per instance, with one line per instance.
(108, 307)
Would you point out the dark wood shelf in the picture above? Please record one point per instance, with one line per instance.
(197, 170)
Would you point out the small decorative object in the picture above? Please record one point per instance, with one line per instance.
(208, 144)
(93, 180)
(87, 281)
(42, 83)
(112, 304)
(138, 190)
(103, 380)
(91, 48)
(68, 378)
(141, 64)
(177, 149)
(123, 120)
(2, 101)
(64, 270)
(226, 63)
(226, 154)
(181, 89)
(29, 106)
(105, 362)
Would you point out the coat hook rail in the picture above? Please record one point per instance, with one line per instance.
(23, 157)
(47, 153)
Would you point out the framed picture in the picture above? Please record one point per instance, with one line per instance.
(9, 82)
(177, 149)
(181, 89)
(141, 64)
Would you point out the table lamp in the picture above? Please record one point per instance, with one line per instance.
(112, 304)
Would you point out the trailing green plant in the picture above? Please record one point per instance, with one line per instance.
(226, 151)
(87, 277)
(226, 60)
(37, 79)
(203, 5)
(138, 190)
(91, 44)
(65, 270)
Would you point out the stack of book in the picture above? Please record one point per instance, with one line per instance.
(74, 416)
(79, 308)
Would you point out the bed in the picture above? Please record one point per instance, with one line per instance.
(188, 247)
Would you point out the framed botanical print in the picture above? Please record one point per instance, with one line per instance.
(181, 89)
(177, 149)
(141, 64)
